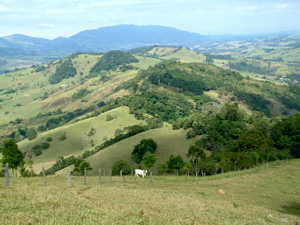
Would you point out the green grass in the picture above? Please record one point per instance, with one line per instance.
(271, 196)
(78, 140)
(168, 142)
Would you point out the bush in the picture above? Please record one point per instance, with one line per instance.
(49, 139)
(109, 118)
(63, 137)
(45, 145)
(120, 165)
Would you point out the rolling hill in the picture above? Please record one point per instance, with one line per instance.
(158, 84)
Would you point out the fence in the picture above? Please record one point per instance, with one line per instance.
(106, 175)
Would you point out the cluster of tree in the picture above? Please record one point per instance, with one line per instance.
(60, 120)
(255, 101)
(239, 141)
(222, 57)
(40, 68)
(162, 105)
(37, 149)
(252, 67)
(174, 164)
(60, 164)
(80, 165)
(63, 71)
(111, 61)
(80, 94)
(145, 145)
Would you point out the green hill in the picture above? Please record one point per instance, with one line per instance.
(168, 142)
(78, 139)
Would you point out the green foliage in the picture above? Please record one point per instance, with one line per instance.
(61, 163)
(174, 164)
(49, 139)
(286, 135)
(109, 117)
(11, 154)
(255, 101)
(197, 155)
(159, 104)
(92, 132)
(120, 165)
(37, 150)
(31, 133)
(149, 159)
(80, 165)
(63, 137)
(252, 67)
(45, 145)
(63, 71)
(145, 145)
(80, 94)
(111, 60)
(251, 140)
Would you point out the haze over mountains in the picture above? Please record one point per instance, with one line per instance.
(121, 37)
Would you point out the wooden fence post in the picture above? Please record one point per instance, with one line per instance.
(177, 177)
(151, 177)
(84, 175)
(185, 177)
(44, 177)
(164, 177)
(222, 174)
(7, 174)
(229, 173)
(99, 176)
(69, 177)
(121, 175)
(216, 175)
(134, 177)
(110, 175)
(196, 176)
(204, 176)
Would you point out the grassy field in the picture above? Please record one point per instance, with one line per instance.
(270, 196)
(78, 140)
(168, 142)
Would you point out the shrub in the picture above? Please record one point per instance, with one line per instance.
(49, 139)
(120, 165)
(109, 118)
(63, 137)
(45, 145)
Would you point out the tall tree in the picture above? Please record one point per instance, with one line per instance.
(146, 145)
(149, 159)
(11, 154)
(197, 155)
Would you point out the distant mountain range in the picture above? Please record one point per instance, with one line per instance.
(121, 37)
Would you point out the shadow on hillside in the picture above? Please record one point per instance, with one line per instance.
(292, 208)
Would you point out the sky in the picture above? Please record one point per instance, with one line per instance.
(53, 18)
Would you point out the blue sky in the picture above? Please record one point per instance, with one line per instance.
(53, 18)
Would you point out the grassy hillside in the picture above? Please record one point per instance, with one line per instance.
(168, 142)
(269, 197)
(77, 138)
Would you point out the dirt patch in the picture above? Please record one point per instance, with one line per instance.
(60, 102)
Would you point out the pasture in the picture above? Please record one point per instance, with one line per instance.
(270, 196)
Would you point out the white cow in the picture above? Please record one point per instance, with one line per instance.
(140, 172)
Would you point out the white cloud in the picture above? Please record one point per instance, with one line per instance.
(47, 25)
(282, 6)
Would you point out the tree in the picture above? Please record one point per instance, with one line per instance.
(149, 159)
(197, 155)
(79, 167)
(11, 154)
(146, 145)
(174, 164)
(31, 133)
(120, 165)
